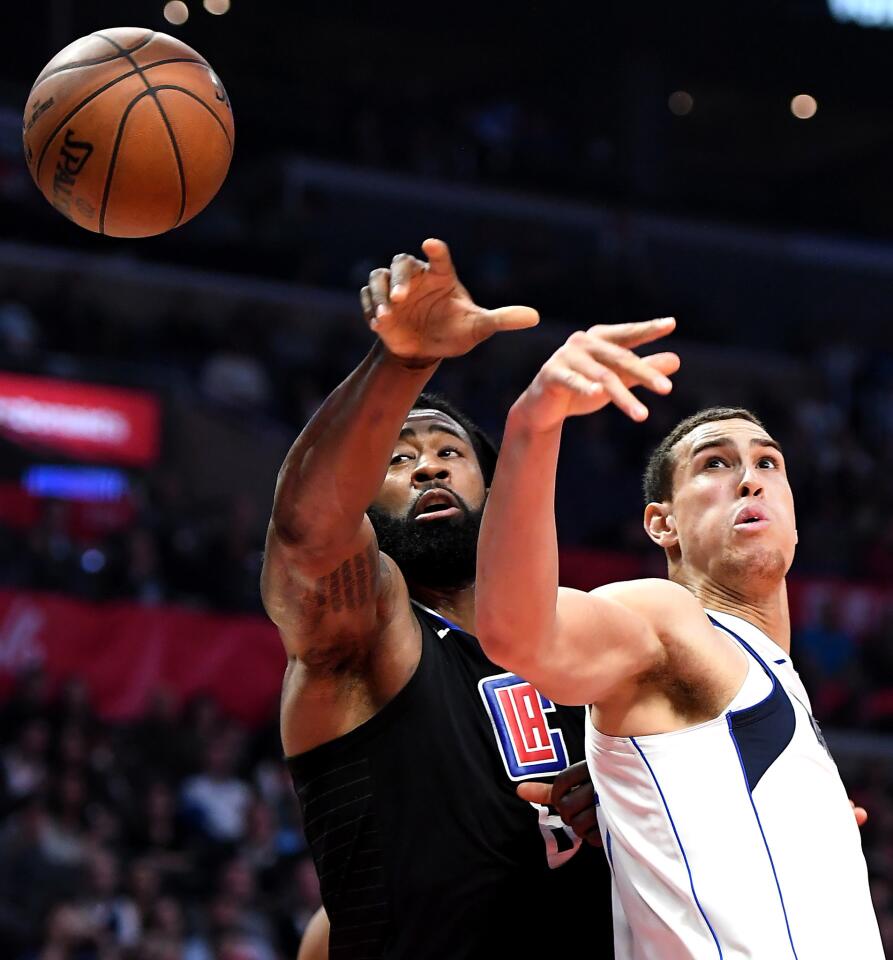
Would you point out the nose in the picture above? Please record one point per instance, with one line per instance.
(428, 469)
(750, 485)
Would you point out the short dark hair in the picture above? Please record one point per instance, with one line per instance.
(657, 481)
(485, 449)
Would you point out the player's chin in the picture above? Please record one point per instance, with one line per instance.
(761, 560)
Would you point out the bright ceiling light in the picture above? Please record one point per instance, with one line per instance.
(803, 106)
(176, 12)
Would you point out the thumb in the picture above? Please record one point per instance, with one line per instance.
(505, 318)
(440, 263)
(535, 792)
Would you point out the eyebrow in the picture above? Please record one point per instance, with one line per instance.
(729, 442)
(407, 432)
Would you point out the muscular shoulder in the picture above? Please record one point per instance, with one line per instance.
(652, 595)
(672, 610)
(696, 674)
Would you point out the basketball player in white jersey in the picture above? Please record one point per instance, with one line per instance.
(724, 818)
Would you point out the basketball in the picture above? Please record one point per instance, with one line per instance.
(128, 132)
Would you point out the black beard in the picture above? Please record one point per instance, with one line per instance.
(440, 554)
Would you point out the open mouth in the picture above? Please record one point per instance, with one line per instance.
(433, 508)
(436, 504)
(750, 516)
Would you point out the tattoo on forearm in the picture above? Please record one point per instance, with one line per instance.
(335, 599)
(349, 586)
(365, 569)
(347, 583)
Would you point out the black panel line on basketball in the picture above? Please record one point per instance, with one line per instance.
(181, 89)
(102, 89)
(93, 61)
(114, 157)
(180, 170)
(170, 132)
(198, 99)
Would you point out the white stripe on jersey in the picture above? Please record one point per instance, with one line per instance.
(734, 838)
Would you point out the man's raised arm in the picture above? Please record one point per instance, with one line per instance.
(324, 582)
(573, 646)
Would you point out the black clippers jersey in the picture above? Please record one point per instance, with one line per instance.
(423, 849)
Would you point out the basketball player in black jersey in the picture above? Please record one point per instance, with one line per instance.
(405, 743)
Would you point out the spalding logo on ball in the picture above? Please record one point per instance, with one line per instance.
(128, 132)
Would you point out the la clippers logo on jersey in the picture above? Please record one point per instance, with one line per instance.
(529, 746)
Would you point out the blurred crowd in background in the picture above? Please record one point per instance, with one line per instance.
(175, 837)
(834, 419)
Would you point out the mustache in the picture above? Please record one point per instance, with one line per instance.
(436, 485)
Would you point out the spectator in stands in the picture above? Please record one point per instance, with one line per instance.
(215, 801)
(33, 876)
(25, 762)
(114, 914)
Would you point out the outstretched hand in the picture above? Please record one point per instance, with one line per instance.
(597, 367)
(572, 794)
(422, 313)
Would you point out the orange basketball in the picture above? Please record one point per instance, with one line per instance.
(128, 132)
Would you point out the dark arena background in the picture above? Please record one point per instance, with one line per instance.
(731, 165)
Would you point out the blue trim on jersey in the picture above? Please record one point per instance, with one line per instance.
(780, 661)
(681, 848)
(608, 849)
(730, 717)
(753, 653)
(763, 730)
(763, 835)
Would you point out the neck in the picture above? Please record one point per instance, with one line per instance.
(767, 610)
(455, 605)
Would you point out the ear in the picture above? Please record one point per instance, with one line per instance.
(660, 525)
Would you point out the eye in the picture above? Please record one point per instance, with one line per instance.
(712, 462)
(447, 450)
(767, 462)
(400, 458)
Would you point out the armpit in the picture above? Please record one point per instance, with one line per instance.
(685, 680)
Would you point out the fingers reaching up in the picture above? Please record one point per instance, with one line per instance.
(596, 367)
(631, 335)
(422, 313)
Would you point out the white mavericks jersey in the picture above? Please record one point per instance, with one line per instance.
(734, 838)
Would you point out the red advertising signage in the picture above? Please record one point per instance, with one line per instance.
(82, 420)
(125, 652)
